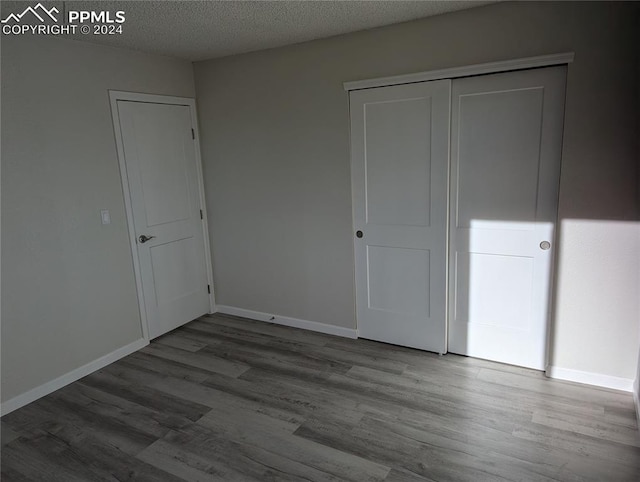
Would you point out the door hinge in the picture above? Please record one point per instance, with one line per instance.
(209, 289)
(193, 134)
(201, 214)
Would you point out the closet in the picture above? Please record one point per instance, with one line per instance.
(455, 191)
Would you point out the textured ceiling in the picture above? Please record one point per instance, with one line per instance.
(197, 30)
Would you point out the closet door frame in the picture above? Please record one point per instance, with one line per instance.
(464, 71)
(509, 65)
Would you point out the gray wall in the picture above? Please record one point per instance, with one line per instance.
(275, 140)
(68, 292)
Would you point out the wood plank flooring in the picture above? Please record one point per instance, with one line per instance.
(230, 399)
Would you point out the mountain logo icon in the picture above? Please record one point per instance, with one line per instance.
(39, 11)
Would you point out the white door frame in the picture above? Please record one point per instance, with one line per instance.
(114, 97)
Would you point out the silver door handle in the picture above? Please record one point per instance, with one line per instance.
(143, 239)
(545, 245)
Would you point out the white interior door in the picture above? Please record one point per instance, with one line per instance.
(399, 163)
(162, 173)
(505, 152)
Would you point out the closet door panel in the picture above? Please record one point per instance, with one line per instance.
(505, 165)
(400, 151)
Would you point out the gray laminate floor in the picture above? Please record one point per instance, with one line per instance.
(225, 398)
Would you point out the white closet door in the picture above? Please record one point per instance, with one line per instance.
(399, 164)
(505, 152)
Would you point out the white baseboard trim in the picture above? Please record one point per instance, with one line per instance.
(636, 399)
(589, 378)
(287, 321)
(57, 383)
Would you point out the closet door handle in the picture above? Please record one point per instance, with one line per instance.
(359, 234)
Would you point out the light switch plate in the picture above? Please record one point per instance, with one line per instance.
(105, 216)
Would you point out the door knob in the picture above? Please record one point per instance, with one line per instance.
(358, 234)
(143, 239)
(545, 245)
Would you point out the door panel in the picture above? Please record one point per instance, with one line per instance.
(505, 165)
(398, 131)
(166, 191)
(476, 299)
(399, 145)
(172, 266)
(516, 115)
(399, 280)
(160, 160)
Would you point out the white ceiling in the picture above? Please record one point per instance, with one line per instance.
(198, 30)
